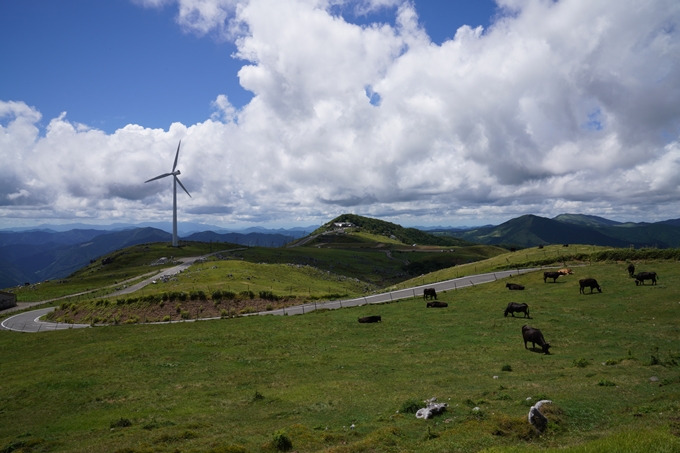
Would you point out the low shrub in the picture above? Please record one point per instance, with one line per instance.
(184, 314)
(166, 318)
(197, 295)
(268, 295)
(246, 295)
(411, 406)
(281, 441)
(606, 383)
(506, 368)
(580, 363)
(121, 423)
(258, 396)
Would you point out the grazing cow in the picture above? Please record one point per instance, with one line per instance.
(513, 249)
(540, 246)
(553, 275)
(514, 286)
(590, 283)
(437, 305)
(642, 276)
(514, 307)
(369, 319)
(631, 270)
(566, 271)
(565, 245)
(535, 337)
(429, 292)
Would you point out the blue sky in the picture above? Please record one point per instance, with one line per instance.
(292, 112)
(112, 63)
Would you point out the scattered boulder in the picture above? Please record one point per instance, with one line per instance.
(538, 420)
(431, 409)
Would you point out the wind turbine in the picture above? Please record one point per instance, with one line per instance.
(175, 180)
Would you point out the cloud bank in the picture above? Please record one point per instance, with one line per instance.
(567, 106)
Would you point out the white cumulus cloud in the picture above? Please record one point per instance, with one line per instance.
(569, 106)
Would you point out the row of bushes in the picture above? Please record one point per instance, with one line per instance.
(605, 255)
(181, 297)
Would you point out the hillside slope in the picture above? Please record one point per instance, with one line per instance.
(392, 230)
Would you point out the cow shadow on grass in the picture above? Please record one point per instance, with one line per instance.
(537, 350)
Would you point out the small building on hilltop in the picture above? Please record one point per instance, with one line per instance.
(7, 300)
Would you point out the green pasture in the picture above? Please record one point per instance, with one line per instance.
(249, 383)
(127, 264)
(550, 255)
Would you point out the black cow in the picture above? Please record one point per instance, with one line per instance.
(631, 270)
(368, 319)
(437, 305)
(590, 283)
(514, 286)
(565, 245)
(540, 246)
(553, 275)
(429, 292)
(535, 337)
(642, 276)
(514, 307)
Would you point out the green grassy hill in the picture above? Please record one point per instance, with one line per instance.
(250, 383)
(392, 231)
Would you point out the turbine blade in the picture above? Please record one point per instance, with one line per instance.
(182, 185)
(176, 156)
(158, 177)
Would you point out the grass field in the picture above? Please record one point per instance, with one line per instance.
(244, 384)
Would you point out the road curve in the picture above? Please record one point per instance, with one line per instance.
(29, 321)
(416, 291)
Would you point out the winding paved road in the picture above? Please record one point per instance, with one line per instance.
(30, 321)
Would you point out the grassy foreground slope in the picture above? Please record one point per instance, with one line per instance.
(230, 385)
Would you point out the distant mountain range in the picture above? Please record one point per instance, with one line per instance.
(531, 231)
(30, 256)
(183, 228)
(42, 254)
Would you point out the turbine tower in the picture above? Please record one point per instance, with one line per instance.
(175, 180)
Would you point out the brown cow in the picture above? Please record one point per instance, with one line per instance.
(535, 337)
(590, 283)
(642, 276)
(369, 319)
(514, 286)
(519, 308)
(553, 275)
(429, 292)
(437, 305)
